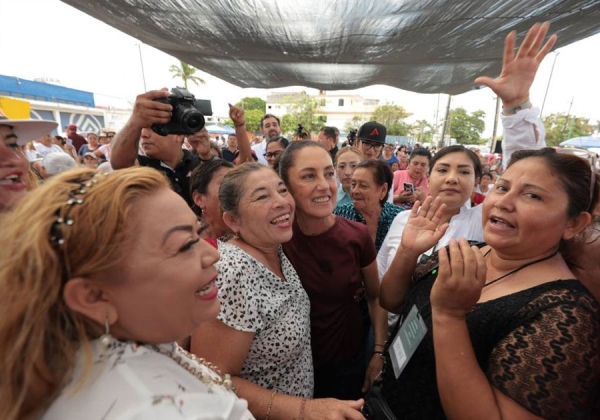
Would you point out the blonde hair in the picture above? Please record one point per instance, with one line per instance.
(352, 149)
(39, 334)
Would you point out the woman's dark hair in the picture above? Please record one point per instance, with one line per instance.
(382, 174)
(283, 142)
(419, 151)
(203, 175)
(232, 187)
(574, 174)
(457, 148)
(286, 160)
(279, 139)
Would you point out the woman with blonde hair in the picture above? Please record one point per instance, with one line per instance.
(346, 161)
(89, 323)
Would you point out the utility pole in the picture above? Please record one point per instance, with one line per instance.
(446, 122)
(549, 80)
(567, 120)
(142, 65)
(496, 116)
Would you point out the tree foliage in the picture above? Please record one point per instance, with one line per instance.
(392, 116)
(302, 109)
(355, 123)
(186, 73)
(389, 115)
(560, 127)
(422, 131)
(251, 103)
(466, 128)
(252, 117)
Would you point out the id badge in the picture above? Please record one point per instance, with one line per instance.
(407, 340)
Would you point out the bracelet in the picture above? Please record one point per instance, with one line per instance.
(379, 345)
(380, 353)
(302, 408)
(514, 110)
(240, 125)
(270, 404)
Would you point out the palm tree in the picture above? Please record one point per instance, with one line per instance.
(186, 73)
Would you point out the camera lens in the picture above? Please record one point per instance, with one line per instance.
(192, 120)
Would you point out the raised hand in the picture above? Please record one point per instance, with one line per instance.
(460, 280)
(423, 229)
(147, 111)
(518, 71)
(237, 115)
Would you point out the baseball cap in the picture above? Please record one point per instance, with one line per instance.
(72, 127)
(91, 155)
(28, 130)
(372, 131)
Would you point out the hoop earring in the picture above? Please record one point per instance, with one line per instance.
(106, 338)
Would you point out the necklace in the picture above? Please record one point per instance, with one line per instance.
(518, 268)
(207, 379)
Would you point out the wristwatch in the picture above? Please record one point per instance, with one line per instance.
(514, 110)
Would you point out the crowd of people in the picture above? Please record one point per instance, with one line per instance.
(299, 279)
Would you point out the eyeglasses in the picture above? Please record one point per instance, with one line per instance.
(270, 155)
(367, 145)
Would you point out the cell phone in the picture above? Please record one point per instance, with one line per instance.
(408, 187)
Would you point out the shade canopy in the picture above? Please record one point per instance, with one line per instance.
(426, 46)
(217, 129)
(586, 142)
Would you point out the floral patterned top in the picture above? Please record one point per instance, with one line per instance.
(254, 299)
(132, 381)
(388, 213)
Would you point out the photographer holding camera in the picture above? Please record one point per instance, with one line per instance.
(161, 119)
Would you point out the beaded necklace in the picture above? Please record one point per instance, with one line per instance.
(207, 379)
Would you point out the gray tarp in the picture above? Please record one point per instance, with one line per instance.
(426, 46)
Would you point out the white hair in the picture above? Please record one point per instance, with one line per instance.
(58, 162)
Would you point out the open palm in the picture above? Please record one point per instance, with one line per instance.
(423, 229)
(518, 70)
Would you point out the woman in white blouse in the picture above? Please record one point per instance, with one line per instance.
(262, 335)
(96, 287)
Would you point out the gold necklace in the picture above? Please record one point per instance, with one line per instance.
(207, 379)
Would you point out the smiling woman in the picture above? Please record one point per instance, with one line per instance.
(514, 303)
(334, 258)
(86, 302)
(262, 335)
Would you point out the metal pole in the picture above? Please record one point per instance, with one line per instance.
(142, 65)
(446, 121)
(549, 80)
(494, 138)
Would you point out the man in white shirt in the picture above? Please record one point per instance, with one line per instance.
(44, 146)
(270, 127)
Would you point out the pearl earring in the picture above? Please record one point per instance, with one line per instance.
(106, 337)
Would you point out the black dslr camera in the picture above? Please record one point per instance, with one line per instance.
(186, 118)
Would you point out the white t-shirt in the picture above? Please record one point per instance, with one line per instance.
(260, 149)
(131, 381)
(43, 151)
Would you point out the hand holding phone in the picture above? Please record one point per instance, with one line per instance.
(409, 188)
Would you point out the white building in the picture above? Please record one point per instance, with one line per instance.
(338, 110)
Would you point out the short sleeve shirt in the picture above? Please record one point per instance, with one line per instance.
(329, 266)
(254, 299)
(179, 177)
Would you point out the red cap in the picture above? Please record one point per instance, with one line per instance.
(72, 127)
